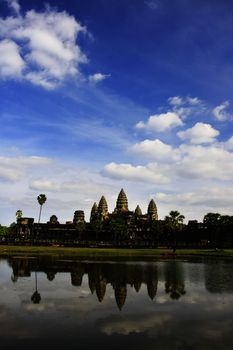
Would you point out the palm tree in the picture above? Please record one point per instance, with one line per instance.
(174, 220)
(41, 200)
(174, 223)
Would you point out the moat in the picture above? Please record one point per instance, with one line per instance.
(164, 304)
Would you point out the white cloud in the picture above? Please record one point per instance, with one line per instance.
(97, 77)
(194, 203)
(154, 149)
(42, 80)
(194, 101)
(229, 144)
(220, 197)
(186, 106)
(152, 173)
(44, 185)
(84, 187)
(152, 4)
(183, 163)
(48, 45)
(220, 113)
(14, 4)
(179, 101)
(11, 63)
(199, 133)
(175, 101)
(183, 112)
(68, 186)
(210, 162)
(161, 122)
(15, 168)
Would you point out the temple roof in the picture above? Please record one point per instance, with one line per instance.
(94, 208)
(122, 202)
(152, 210)
(138, 211)
(103, 206)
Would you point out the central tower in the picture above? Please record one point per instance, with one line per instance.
(122, 202)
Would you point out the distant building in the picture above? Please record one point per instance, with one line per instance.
(120, 225)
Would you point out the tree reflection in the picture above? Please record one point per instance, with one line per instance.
(174, 280)
(36, 298)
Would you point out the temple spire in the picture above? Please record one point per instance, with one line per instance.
(122, 202)
(152, 210)
(138, 211)
(94, 212)
(103, 207)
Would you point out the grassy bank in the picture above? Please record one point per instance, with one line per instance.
(113, 252)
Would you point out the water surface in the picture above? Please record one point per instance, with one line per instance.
(88, 304)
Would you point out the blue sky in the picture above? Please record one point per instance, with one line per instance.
(97, 95)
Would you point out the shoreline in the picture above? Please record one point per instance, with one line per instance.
(115, 252)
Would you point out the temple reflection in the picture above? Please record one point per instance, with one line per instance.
(120, 276)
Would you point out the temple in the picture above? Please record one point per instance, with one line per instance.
(121, 225)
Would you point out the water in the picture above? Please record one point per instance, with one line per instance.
(61, 303)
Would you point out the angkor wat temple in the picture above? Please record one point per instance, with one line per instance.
(124, 228)
(120, 225)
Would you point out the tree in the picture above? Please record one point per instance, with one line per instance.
(211, 222)
(174, 220)
(211, 219)
(174, 223)
(41, 200)
(4, 230)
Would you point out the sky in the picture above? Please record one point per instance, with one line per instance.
(99, 95)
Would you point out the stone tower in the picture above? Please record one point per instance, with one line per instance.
(103, 207)
(122, 202)
(94, 212)
(79, 217)
(53, 220)
(152, 210)
(138, 211)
